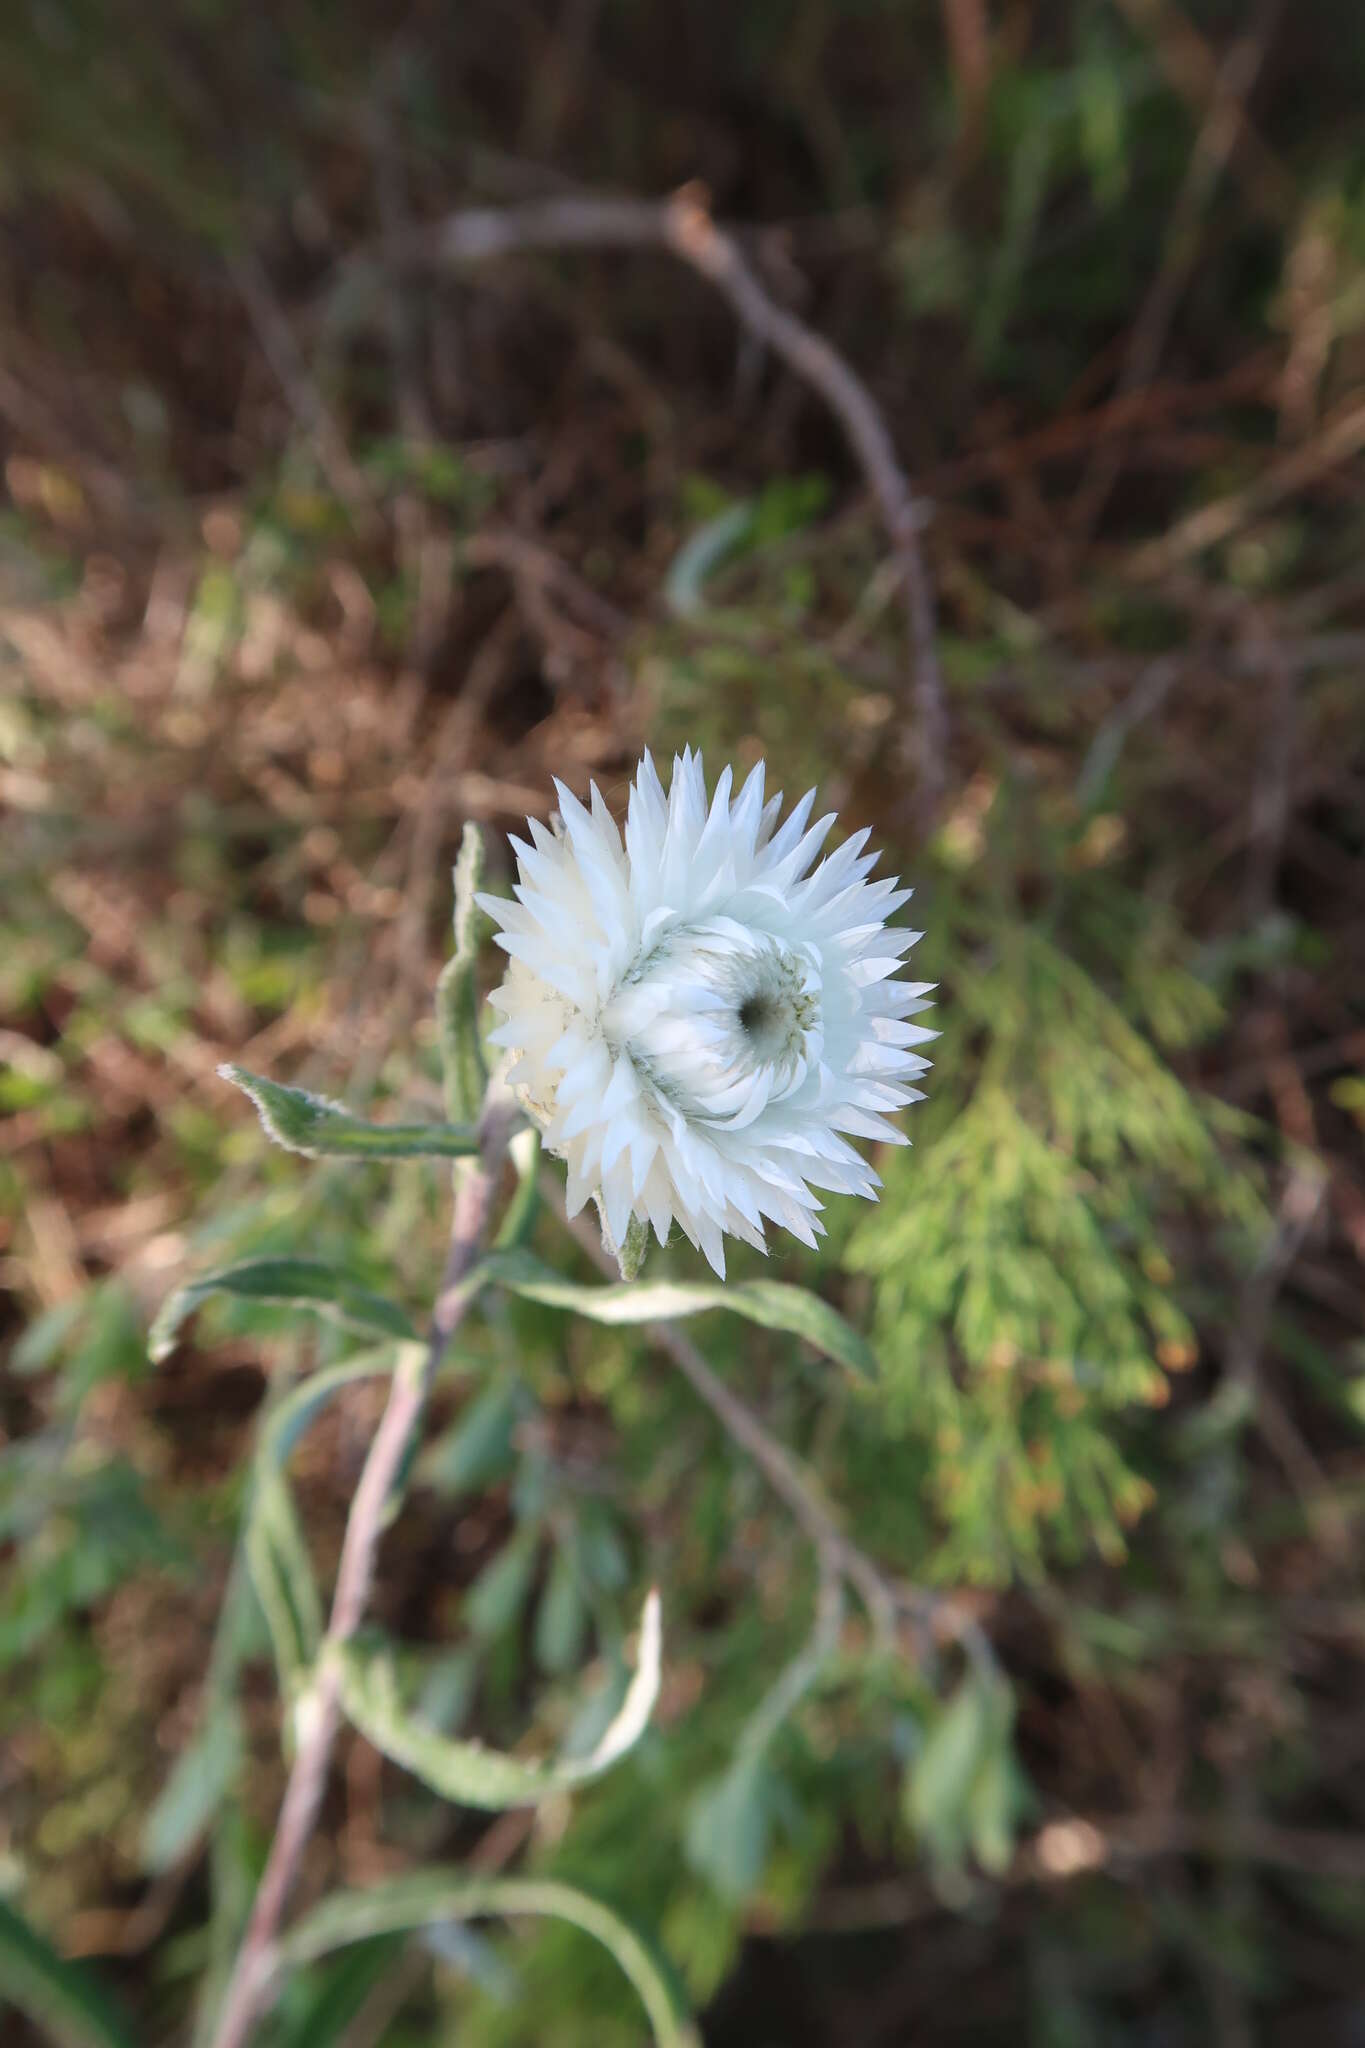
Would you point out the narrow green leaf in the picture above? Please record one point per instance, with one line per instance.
(457, 996)
(234, 1873)
(524, 1151)
(322, 2014)
(561, 1616)
(993, 1811)
(962, 1791)
(293, 1283)
(42, 1342)
(465, 1771)
(320, 1128)
(291, 1416)
(276, 1552)
(66, 1999)
(630, 1253)
(282, 1579)
(702, 553)
(494, 1602)
(192, 1794)
(729, 1829)
(478, 1448)
(941, 1777)
(769, 1302)
(429, 1898)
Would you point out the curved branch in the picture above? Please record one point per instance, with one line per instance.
(683, 226)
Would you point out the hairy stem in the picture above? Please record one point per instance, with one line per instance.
(318, 1712)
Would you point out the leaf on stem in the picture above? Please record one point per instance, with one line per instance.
(276, 1552)
(322, 1129)
(200, 1781)
(465, 1771)
(523, 1149)
(768, 1302)
(964, 1791)
(433, 1897)
(457, 996)
(292, 1283)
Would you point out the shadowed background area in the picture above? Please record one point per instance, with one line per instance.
(960, 403)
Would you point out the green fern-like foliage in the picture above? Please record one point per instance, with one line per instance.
(1023, 1289)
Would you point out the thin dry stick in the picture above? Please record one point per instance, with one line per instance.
(1149, 693)
(1302, 1200)
(319, 1713)
(1191, 67)
(427, 554)
(1076, 1846)
(683, 226)
(1341, 440)
(294, 378)
(1214, 145)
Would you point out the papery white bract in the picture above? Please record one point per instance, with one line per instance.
(696, 1017)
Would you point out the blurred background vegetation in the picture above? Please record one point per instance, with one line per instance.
(313, 546)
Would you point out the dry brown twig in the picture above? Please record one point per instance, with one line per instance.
(1214, 144)
(1069, 1847)
(1341, 439)
(427, 554)
(1191, 67)
(683, 226)
(300, 389)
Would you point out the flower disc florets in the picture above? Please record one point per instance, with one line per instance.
(696, 1019)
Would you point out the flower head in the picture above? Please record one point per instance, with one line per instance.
(697, 1016)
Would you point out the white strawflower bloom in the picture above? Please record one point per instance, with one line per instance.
(696, 1016)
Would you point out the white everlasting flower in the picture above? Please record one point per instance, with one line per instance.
(697, 1017)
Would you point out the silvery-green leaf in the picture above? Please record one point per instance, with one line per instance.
(473, 1956)
(465, 1771)
(729, 1829)
(494, 1602)
(523, 1150)
(962, 1791)
(291, 1283)
(282, 1579)
(196, 1787)
(431, 1897)
(769, 1302)
(702, 554)
(478, 1447)
(323, 1129)
(561, 1616)
(457, 996)
(630, 1253)
(276, 1552)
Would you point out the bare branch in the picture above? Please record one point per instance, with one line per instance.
(296, 381)
(683, 226)
(1218, 136)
